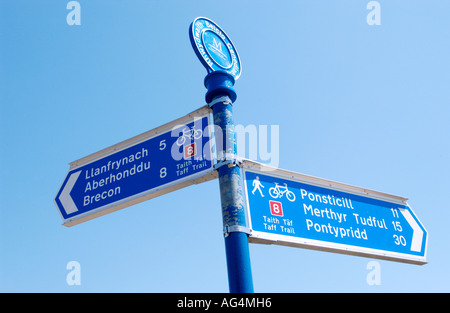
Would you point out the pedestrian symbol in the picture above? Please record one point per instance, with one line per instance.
(257, 186)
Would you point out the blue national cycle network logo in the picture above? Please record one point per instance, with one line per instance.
(213, 47)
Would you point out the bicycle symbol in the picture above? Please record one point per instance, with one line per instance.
(278, 192)
(189, 133)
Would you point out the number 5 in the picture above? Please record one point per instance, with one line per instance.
(162, 144)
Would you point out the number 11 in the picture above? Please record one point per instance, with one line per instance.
(394, 212)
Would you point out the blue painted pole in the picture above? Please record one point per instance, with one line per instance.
(220, 96)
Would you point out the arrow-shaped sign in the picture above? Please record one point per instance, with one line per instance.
(293, 209)
(170, 157)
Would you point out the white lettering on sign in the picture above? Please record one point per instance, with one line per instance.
(327, 199)
(101, 196)
(93, 183)
(336, 231)
(115, 165)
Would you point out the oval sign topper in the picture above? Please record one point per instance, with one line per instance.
(213, 47)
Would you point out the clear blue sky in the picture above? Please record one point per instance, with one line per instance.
(359, 104)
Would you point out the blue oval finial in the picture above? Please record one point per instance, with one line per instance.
(213, 47)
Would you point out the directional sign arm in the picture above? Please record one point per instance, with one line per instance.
(313, 213)
(138, 169)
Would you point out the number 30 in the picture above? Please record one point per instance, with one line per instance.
(400, 240)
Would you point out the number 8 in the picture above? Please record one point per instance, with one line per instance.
(276, 208)
(163, 172)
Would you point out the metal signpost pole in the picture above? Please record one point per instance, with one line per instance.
(220, 96)
(220, 58)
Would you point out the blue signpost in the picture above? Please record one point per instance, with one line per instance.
(167, 158)
(260, 204)
(292, 209)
